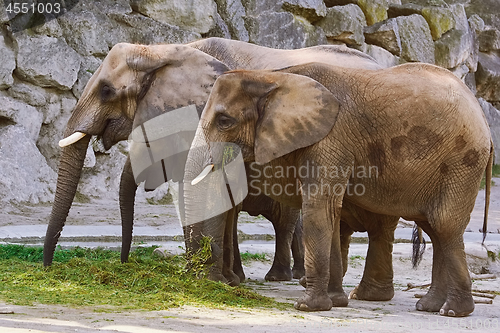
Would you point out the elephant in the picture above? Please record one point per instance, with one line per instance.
(408, 141)
(130, 87)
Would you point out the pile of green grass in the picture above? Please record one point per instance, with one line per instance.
(96, 277)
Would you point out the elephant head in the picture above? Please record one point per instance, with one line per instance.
(135, 83)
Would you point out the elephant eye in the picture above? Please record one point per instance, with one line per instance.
(107, 92)
(224, 121)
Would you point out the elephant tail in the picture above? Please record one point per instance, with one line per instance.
(418, 246)
(489, 170)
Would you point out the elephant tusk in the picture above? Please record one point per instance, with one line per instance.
(71, 139)
(202, 175)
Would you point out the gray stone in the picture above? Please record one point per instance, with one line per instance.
(458, 45)
(139, 29)
(440, 20)
(331, 3)
(312, 10)
(384, 34)
(493, 119)
(85, 32)
(220, 29)
(7, 64)
(396, 10)
(345, 24)
(50, 28)
(195, 15)
(489, 40)
(375, 10)
(489, 10)
(28, 93)
(383, 57)
(476, 23)
(256, 7)
(22, 114)
(488, 77)
(232, 12)
(283, 31)
(25, 175)
(47, 61)
(416, 39)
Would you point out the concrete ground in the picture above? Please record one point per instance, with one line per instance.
(97, 224)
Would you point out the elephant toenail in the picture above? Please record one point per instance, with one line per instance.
(420, 307)
(441, 312)
(451, 313)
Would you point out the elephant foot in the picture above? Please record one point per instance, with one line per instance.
(339, 299)
(279, 273)
(240, 273)
(432, 301)
(458, 304)
(218, 277)
(232, 279)
(371, 292)
(303, 281)
(298, 272)
(311, 302)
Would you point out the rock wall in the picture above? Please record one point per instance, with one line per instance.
(45, 69)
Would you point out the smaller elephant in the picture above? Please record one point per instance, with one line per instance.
(409, 141)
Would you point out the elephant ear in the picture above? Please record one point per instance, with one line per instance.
(295, 111)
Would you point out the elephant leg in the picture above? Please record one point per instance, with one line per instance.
(283, 218)
(237, 265)
(377, 282)
(321, 234)
(128, 188)
(228, 248)
(450, 291)
(298, 270)
(345, 239)
(436, 296)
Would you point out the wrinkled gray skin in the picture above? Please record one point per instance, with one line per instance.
(129, 88)
(418, 124)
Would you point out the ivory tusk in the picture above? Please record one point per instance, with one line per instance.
(71, 139)
(202, 175)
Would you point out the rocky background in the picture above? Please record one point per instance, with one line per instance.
(43, 70)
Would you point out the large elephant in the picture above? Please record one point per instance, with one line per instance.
(408, 141)
(137, 83)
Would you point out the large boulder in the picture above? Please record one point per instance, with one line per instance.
(14, 111)
(457, 45)
(416, 39)
(25, 175)
(46, 61)
(232, 12)
(283, 30)
(344, 24)
(440, 20)
(488, 77)
(195, 15)
(312, 10)
(489, 40)
(7, 65)
(384, 34)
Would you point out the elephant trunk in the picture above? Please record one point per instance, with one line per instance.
(128, 188)
(70, 169)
